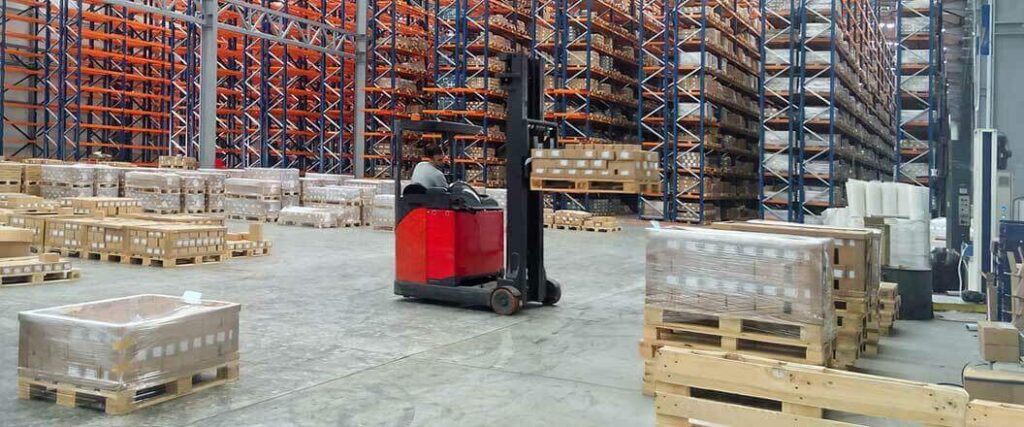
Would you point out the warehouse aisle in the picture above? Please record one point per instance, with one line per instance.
(325, 343)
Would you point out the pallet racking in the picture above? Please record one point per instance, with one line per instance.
(470, 36)
(124, 78)
(826, 111)
(400, 42)
(919, 93)
(699, 107)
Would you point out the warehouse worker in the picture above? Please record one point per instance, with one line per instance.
(428, 173)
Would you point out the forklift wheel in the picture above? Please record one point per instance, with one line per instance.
(505, 301)
(552, 292)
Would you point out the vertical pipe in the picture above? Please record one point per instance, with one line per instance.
(360, 86)
(208, 85)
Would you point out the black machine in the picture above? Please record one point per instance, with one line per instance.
(452, 244)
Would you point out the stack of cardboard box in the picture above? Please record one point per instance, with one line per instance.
(595, 163)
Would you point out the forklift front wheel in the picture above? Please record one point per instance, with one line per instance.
(505, 301)
(552, 292)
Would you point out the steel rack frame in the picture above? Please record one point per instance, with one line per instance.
(918, 133)
(690, 111)
(392, 60)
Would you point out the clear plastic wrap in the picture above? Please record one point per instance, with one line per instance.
(755, 276)
(309, 216)
(289, 178)
(264, 188)
(383, 211)
(157, 191)
(59, 181)
(251, 208)
(127, 343)
(332, 194)
(214, 180)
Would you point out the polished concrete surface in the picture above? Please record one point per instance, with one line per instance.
(326, 343)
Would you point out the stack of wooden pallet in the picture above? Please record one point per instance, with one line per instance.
(856, 275)
(888, 307)
(751, 293)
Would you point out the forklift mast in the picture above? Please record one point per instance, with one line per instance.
(526, 130)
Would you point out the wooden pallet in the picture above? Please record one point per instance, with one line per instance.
(793, 342)
(252, 218)
(119, 402)
(602, 229)
(167, 262)
(106, 256)
(38, 278)
(592, 186)
(984, 413)
(737, 390)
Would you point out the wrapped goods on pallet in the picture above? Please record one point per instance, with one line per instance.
(104, 206)
(66, 234)
(108, 181)
(252, 198)
(125, 345)
(10, 177)
(571, 218)
(627, 164)
(193, 192)
(32, 221)
(289, 179)
(214, 189)
(308, 216)
(776, 279)
(159, 192)
(60, 181)
(333, 194)
(383, 212)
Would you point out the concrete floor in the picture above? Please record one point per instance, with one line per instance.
(326, 343)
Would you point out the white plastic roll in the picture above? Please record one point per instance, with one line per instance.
(890, 199)
(873, 198)
(905, 199)
(919, 203)
(855, 197)
(909, 246)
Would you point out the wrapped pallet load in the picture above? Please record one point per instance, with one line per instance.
(288, 180)
(113, 349)
(158, 192)
(254, 199)
(769, 295)
(383, 213)
(308, 216)
(214, 189)
(107, 181)
(193, 191)
(344, 202)
(60, 181)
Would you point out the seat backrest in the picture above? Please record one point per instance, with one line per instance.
(414, 188)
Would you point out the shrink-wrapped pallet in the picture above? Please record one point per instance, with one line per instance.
(309, 216)
(129, 343)
(333, 194)
(288, 179)
(158, 192)
(252, 198)
(383, 211)
(60, 181)
(758, 277)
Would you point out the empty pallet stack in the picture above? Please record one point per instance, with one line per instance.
(159, 192)
(126, 353)
(753, 293)
(252, 199)
(857, 273)
(600, 168)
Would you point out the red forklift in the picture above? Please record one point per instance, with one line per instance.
(452, 244)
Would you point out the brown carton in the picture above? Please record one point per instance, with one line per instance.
(1000, 383)
(15, 242)
(1000, 341)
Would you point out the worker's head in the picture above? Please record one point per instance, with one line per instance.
(434, 153)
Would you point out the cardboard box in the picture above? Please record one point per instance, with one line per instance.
(1000, 341)
(999, 383)
(15, 242)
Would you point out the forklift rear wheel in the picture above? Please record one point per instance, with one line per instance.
(552, 293)
(505, 301)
